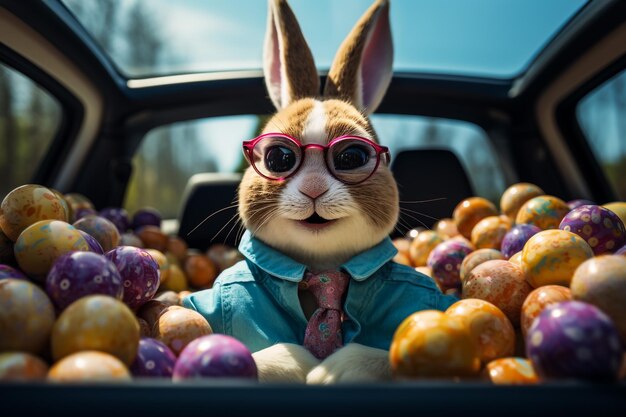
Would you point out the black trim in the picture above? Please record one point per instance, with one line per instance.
(72, 113)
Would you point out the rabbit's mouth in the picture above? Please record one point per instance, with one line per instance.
(315, 221)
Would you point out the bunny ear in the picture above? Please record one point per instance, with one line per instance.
(362, 68)
(288, 65)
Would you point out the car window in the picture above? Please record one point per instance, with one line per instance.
(169, 155)
(29, 120)
(602, 118)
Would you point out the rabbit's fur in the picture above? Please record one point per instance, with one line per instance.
(364, 214)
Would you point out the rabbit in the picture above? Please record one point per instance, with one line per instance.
(317, 220)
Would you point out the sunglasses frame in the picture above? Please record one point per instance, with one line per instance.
(248, 151)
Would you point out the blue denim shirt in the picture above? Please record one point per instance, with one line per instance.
(256, 300)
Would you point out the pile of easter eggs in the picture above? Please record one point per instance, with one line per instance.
(542, 289)
(87, 295)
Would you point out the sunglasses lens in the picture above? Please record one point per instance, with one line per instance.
(353, 160)
(276, 157)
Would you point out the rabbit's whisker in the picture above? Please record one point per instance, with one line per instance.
(211, 215)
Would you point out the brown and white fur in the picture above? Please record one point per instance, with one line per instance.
(362, 215)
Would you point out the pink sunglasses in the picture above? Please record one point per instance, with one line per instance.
(350, 159)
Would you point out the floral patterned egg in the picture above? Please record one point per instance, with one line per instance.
(515, 196)
(40, 244)
(96, 322)
(539, 299)
(445, 262)
(89, 366)
(154, 360)
(600, 227)
(431, 344)
(500, 283)
(470, 211)
(511, 371)
(545, 212)
(177, 327)
(601, 281)
(476, 258)
(492, 332)
(422, 245)
(489, 232)
(139, 272)
(550, 257)
(26, 316)
(26, 205)
(572, 204)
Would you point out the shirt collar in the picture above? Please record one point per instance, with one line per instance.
(275, 263)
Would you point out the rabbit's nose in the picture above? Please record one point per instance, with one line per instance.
(313, 187)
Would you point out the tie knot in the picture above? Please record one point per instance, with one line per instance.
(327, 287)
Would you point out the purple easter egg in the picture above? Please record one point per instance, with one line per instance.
(118, 216)
(516, 238)
(572, 204)
(621, 251)
(215, 356)
(146, 216)
(572, 339)
(139, 271)
(77, 274)
(7, 271)
(154, 359)
(598, 226)
(84, 212)
(445, 262)
(93, 244)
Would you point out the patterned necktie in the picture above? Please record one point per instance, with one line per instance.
(323, 332)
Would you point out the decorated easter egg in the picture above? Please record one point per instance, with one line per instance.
(77, 274)
(501, 283)
(421, 246)
(64, 203)
(154, 359)
(572, 204)
(430, 343)
(215, 356)
(489, 232)
(516, 238)
(200, 271)
(146, 216)
(139, 272)
(130, 239)
(600, 227)
(491, 331)
(161, 260)
(177, 327)
(27, 205)
(177, 247)
(515, 196)
(7, 271)
(6, 250)
(539, 299)
(89, 366)
(96, 322)
(93, 244)
(101, 229)
(445, 262)
(40, 244)
(545, 212)
(516, 259)
(26, 316)
(21, 366)
(446, 228)
(476, 258)
(76, 202)
(551, 256)
(470, 211)
(225, 256)
(511, 371)
(619, 208)
(601, 281)
(573, 339)
(118, 216)
(176, 281)
(152, 237)
(84, 212)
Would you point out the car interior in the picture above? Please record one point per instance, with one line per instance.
(113, 131)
